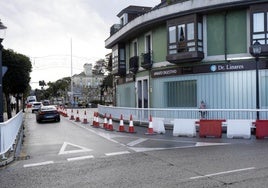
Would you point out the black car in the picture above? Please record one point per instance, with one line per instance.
(47, 113)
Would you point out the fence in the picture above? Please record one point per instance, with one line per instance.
(142, 114)
(9, 131)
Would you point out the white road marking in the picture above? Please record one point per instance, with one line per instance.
(198, 144)
(138, 141)
(117, 153)
(80, 158)
(38, 164)
(221, 173)
(65, 144)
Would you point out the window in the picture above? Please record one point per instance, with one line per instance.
(181, 93)
(185, 35)
(259, 19)
(135, 48)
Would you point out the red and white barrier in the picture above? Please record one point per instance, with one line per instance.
(158, 125)
(261, 129)
(184, 127)
(210, 128)
(239, 128)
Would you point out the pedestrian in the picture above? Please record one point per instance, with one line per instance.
(202, 112)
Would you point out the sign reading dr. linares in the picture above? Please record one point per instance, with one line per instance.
(209, 68)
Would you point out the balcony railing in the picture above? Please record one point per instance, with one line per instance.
(146, 60)
(134, 64)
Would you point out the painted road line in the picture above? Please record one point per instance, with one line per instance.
(80, 158)
(138, 141)
(117, 153)
(38, 164)
(65, 144)
(222, 173)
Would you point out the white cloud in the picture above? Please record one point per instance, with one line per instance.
(42, 30)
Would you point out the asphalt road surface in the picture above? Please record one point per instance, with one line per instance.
(73, 154)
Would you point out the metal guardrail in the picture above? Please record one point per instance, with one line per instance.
(142, 114)
(9, 131)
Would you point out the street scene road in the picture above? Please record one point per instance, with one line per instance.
(73, 154)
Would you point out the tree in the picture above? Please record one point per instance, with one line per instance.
(100, 67)
(17, 78)
(55, 88)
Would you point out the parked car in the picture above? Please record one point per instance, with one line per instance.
(36, 106)
(47, 113)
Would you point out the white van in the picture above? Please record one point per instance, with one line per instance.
(30, 100)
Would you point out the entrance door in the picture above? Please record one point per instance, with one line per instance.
(142, 93)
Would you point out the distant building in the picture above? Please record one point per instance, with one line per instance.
(86, 85)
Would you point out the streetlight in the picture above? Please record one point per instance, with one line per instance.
(256, 52)
(2, 33)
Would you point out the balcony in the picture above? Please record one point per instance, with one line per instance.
(134, 64)
(185, 57)
(146, 60)
(115, 28)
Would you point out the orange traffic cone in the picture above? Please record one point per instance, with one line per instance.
(72, 115)
(97, 124)
(110, 124)
(85, 118)
(150, 130)
(131, 127)
(65, 113)
(121, 126)
(77, 119)
(94, 120)
(105, 123)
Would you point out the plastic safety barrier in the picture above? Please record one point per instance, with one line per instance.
(261, 129)
(184, 127)
(210, 128)
(158, 125)
(239, 128)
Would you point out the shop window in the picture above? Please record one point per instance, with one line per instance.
(181, 93)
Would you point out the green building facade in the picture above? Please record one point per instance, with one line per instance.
(179, 53)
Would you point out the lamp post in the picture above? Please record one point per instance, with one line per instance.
(2, 33)
(256, 52)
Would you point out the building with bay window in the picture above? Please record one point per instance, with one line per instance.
(181, 52)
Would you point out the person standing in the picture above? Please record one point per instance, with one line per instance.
(202, 112)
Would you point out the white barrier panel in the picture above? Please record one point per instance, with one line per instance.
(238, 128)
(9, 131)
(158, 125)
(184, 127)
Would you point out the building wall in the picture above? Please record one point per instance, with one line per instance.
(125, 95)
(159, 40)
(219, 90)
(236, 32)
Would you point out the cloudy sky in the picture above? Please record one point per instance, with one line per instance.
(44, 30)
